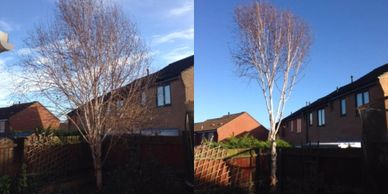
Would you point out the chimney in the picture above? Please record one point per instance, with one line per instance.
(351, 79)
(228, 113)
(148, 71)
(337, 86)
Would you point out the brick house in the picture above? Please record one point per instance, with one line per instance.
(229, 125)
(26, 117)
(333, 120)
(171, 98)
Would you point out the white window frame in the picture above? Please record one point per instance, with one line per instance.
(321, 117)
(143, 98)
(311, 119)
(364, 97)
(163, 95)
(299, 125)
(343, 107)
(166, 132)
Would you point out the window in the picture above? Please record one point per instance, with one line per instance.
(160, 132)
(321, 117)
(292, 126)
(343, 107)
(311, 119)
(362, 98)
(299, 125)
(119, 103)
(143, 98)
(163, 95)
(210, 136)
(2, 126)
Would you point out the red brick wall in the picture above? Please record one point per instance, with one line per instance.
(171, 116)
(336, 128)
(35, 116)
(240, 126)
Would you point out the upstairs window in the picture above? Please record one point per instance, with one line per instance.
(292, 126)
(143, 98)
(321, 117)
(362, 98)
(2, 126)
(119, 103)
(299, 125)
(343, 107)
(311, 119)
(163, 95)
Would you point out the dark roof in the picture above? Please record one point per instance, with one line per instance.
(360, 84)
(212, 124)
(174, 69)
(7, 112)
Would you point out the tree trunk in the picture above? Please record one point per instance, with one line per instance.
(98, 165)
(273, 177)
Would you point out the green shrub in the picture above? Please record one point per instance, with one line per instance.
(5, 184)
(22, 179)
(246, 141)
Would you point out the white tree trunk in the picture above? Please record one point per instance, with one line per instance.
(273, 177)
(97, 161)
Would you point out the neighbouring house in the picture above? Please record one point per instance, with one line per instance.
(229, 125)
(171, 98)
(334, 120)
(26, 117)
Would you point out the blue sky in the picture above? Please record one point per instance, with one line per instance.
(350, 37)
(166, 26)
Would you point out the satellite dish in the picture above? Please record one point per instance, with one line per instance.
(4, 45)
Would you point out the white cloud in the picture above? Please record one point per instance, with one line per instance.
(187, 34)
(178, 53)
(186, 8)
(25, 51)
(7, 81)
(5, 26)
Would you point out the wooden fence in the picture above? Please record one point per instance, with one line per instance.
(7, 147)
(323, 166)
(217, 169)
(299, 169)
(48, 158)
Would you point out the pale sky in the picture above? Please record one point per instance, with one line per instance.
(166, 26)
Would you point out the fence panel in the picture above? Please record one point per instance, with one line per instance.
(7, 165)
(225, 169)
(48, 158)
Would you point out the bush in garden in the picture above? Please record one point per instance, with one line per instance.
(246, 141)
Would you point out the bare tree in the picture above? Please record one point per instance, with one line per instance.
(89, 59)
(271, 50)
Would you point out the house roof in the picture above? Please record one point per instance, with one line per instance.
(213, 124)
(360, 84)
(174, 69)
(7, 112)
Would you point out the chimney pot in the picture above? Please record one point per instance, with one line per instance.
(351, 79)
